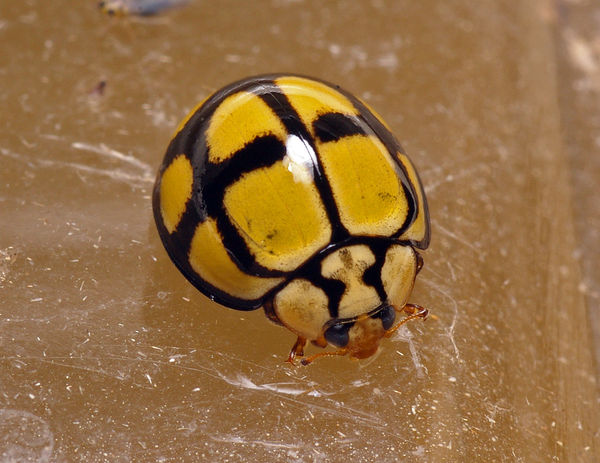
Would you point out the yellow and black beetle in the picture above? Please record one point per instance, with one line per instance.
(289, 193)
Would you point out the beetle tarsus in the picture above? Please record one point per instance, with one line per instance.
(297, 350)
(413, 311)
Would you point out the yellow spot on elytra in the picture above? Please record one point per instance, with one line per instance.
(312, 99)
(210, 260)
(365, 185)
(238, 120)
(175, 191)
(282, 221)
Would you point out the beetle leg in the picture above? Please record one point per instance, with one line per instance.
(413, 311)
(310, 359)
(297, 349)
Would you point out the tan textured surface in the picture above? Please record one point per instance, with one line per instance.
(108, 354)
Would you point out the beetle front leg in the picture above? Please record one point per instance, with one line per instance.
(413, 311)
(297, 349)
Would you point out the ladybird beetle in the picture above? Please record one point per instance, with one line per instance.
(288, 193)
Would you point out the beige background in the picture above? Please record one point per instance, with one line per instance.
(108, 354)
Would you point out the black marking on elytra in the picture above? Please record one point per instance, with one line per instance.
(177, 245)
(393, 147)
(190, 141)
(411, 214)
(281, 106)
(261, 153)
(333, 126)
(195, 211)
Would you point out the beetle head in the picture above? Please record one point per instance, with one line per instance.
(360, 338)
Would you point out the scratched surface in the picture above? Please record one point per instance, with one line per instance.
(107, 354)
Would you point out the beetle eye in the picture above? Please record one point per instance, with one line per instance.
(338, 334)
(388, 317)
